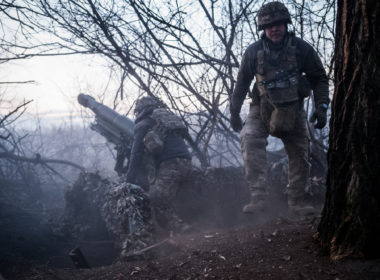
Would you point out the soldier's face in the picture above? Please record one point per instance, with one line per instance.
(275, 32)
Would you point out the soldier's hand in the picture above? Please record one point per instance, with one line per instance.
(319, 115)
(236, 122)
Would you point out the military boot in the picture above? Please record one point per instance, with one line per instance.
(256, 204)
(298, 207)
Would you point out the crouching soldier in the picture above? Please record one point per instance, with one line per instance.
(285, 67)
(159, 133)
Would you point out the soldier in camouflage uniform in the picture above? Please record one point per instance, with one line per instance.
(286, 68)
(173, 164)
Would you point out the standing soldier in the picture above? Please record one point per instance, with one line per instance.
(159, 133)
(286, 68)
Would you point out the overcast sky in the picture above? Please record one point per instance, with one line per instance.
(58, 81)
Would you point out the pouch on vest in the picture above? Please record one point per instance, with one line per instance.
(283, 119)
(283, 90)
(153, 142)
(279, 81)
(166, 122)
(304, 87)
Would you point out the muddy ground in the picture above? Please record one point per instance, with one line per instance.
(276, 249)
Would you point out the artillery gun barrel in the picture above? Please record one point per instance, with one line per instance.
(123, 123)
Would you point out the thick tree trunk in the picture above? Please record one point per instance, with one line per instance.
(350, 224)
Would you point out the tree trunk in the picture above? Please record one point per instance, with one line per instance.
(350, 224)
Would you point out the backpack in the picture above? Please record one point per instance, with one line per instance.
(166, 123)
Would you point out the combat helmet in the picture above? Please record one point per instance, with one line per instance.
(146, 103)
(273, 12)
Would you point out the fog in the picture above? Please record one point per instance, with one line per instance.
(49, 208)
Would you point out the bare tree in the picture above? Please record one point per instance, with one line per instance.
(350, 224)
(185, 52)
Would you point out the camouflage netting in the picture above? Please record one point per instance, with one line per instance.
(82, 218)
(214, 196)
(127, 215)
(120, 212)
(97, 209)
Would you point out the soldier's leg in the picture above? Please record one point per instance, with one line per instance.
(162, 193)
(297, 149)
(253, 143)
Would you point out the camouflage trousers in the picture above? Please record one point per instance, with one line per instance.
(171, 174)
(254, 141)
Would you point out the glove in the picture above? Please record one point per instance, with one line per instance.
(319, 115)
(236, 122)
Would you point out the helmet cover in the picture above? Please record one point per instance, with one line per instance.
(273, 12)
(146, 102)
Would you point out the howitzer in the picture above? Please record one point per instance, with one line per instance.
(118, 130)
(113, 126)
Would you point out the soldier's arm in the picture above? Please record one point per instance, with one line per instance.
(317, 77)
(244, 79)
(137, 153)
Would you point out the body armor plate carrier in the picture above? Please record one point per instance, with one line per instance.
(166, 122)
(278, 83)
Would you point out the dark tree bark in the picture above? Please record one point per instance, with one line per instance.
(350, 224)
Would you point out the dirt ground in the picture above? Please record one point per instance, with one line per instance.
(277, 249)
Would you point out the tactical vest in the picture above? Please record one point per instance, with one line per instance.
(166, 122)
(278, 83)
